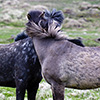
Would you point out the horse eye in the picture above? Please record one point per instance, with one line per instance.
(28, 16)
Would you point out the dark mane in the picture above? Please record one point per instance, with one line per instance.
(34, 30)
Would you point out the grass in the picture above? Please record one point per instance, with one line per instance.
(9, 31)
(44, 92)
(13, 24)
(88, 38)
(60, 4)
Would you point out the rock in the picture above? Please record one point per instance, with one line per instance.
(5, 18)
(84, 13)
(73, 23)
(16, 10)
(94, 12)
(91, 12)
(69, 11)
(11, 3)
(14, 13)
(25, 5)
(39, 7)
(2, 97)
(88, 9)
(83, 9)
(96, 6)
(84, 6)
(73, 94)
(45, 91)
(81, 20)
(11, 98)
(49, 99)
(1, 1)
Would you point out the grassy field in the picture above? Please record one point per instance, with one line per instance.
(89, 33)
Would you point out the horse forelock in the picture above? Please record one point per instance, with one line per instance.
(34, 30)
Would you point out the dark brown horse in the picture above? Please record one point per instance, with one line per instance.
(64, 64)
(20, 68)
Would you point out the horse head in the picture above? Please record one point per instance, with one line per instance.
(45, 18)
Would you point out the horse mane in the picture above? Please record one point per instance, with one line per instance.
(55, 15)
(34, 30)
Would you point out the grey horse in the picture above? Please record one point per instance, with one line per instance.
(64, 64)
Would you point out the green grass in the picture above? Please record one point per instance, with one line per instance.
(45, 93)
(13, 24)
(7, 91)
(88, 37)
(7, 32)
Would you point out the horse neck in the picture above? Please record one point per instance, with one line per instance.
(41, 47)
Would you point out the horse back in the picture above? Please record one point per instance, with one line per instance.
(73, 66)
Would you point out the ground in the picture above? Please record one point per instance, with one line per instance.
(82, 20)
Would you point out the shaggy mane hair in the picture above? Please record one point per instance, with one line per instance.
(34, 30)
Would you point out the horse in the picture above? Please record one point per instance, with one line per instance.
(63, 63)
(20, 68)
(23, 35)
(19, 64)
(46, 17)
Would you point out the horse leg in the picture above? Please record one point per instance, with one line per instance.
(20, 91)
(21, 82)
(32, 90)
(57, 91)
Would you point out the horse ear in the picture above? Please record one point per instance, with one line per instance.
(29, 16)
(42, 15)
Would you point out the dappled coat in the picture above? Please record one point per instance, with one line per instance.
(20, 68)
